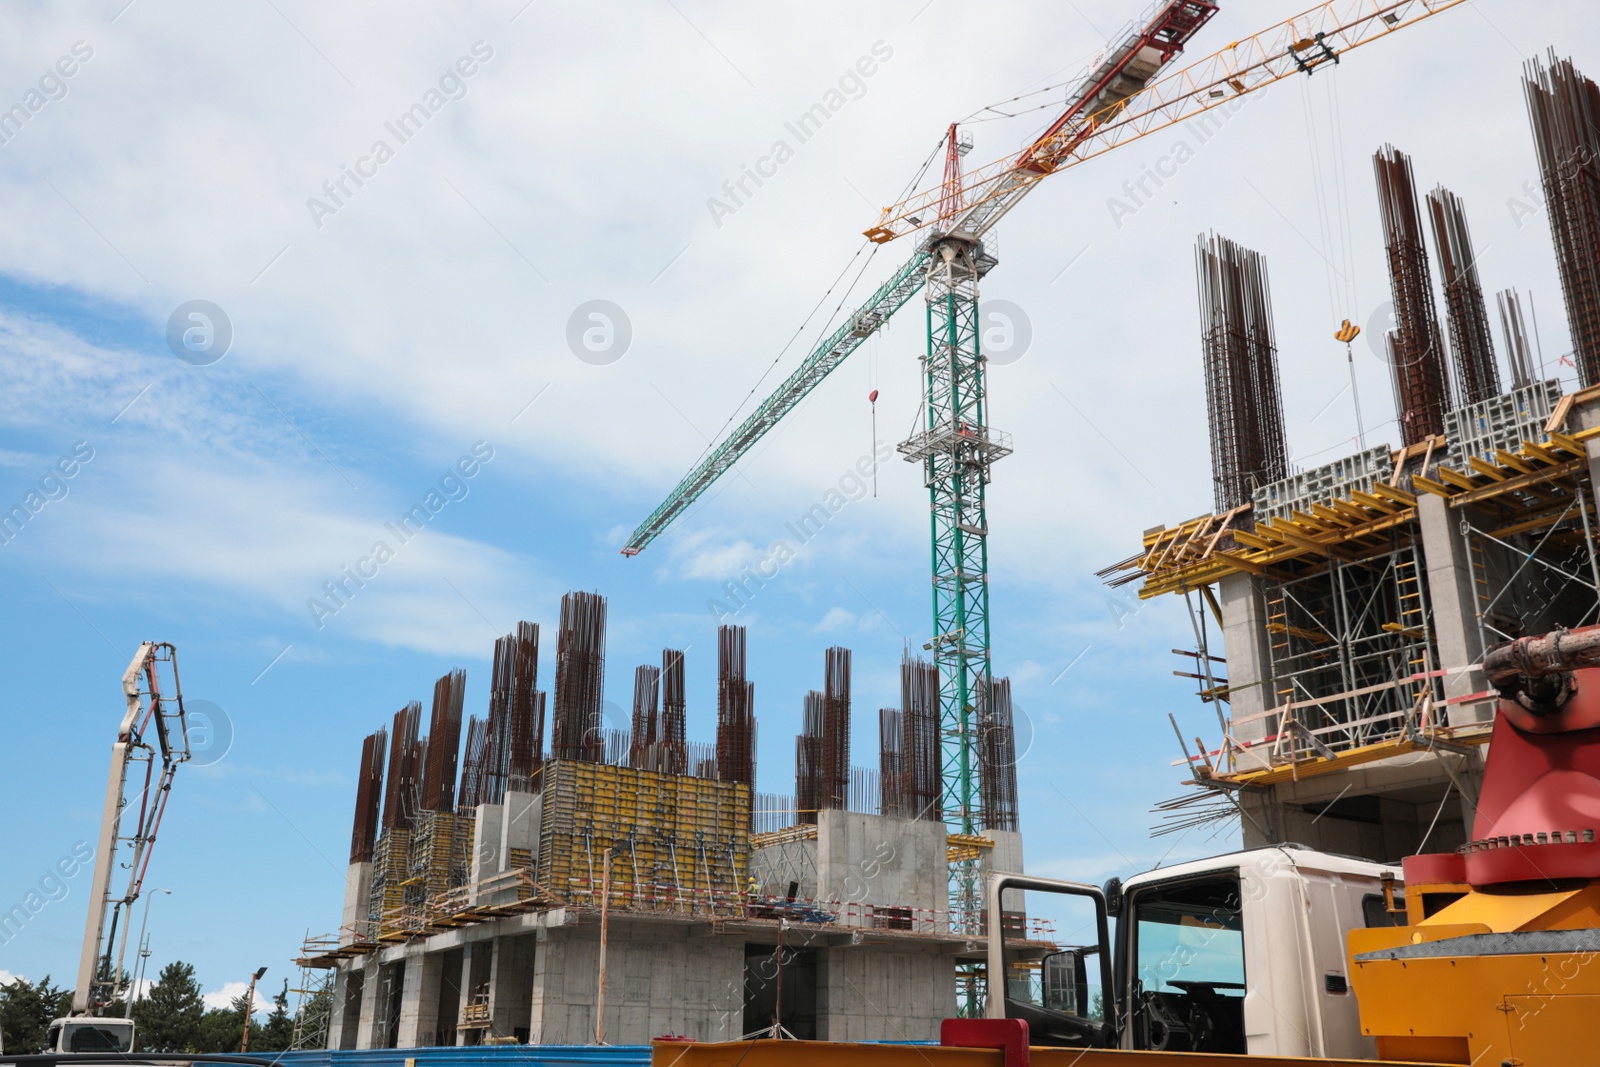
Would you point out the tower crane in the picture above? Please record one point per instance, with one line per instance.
(154, 730)
(1124, 95)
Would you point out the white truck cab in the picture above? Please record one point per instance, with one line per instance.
(1241, 953)
(90, 1033)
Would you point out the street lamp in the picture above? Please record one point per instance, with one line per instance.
(249, 999)
(144, 955)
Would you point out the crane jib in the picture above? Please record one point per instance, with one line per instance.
(865, 321)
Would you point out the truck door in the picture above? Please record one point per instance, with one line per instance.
(1183, 952)
(1048, 960)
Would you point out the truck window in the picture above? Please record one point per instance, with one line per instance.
(1188, 977)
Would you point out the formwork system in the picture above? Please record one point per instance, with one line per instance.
(1248, 448)
(675, 843)
(1351, 670)
(1415, 347)
(1471, 341)
(1564, 109)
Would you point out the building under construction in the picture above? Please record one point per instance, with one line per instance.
(630, 883)
(1340, 613)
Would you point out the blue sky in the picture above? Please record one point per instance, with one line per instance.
(374, 345)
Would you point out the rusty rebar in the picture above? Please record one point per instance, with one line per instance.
(369, 792)
(578, 732)
(1415, 347)
(674, 714)
(1243, 403)
(444, 742)
(736, 721)
(835, 791)
(400, 796)
(922, 787)
(997, 756)
(1471, 340)
(1564, 110)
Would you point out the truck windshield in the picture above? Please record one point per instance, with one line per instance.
(1188, 974)
(98, 1037)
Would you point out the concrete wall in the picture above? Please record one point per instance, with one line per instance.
(871, 860)
(488, 821)
(659, 980)
(884, 996)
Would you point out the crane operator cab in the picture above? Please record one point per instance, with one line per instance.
(1241, 954)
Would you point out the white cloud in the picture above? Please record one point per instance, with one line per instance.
(6, 977)
(836, 619)
(224, 997)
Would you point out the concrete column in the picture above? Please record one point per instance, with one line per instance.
(369, 1023)
(511, 985)
(520, 828)
(419, 1000)
(1244, 635)
(1451, 598)
(344, 1011)
(485, 847)
(357, 893)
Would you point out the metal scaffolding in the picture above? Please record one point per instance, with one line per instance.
(1346, 642)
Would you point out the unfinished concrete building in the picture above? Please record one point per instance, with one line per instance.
(1340, 613)
(604, 893)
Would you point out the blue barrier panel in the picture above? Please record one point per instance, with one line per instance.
(473, 1056)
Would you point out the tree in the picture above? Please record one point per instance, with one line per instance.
(26, 1011)
(222, 1029)
(169, 1016)
(278, 1034)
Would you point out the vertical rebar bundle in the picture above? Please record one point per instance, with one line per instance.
(1244, 405)
(369, 792)
(1471, 340)
(1519, 357)
(1564, 108)
(525, 706)
(835, 786)
(736, 721)
(675, 753)
(577, 732)
(997, 756)
(921, 789)
(1416, 354)
(892, 764)
(400, 796)
(470, 794)
(808, 764)
(644, 741)
(444, 742)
